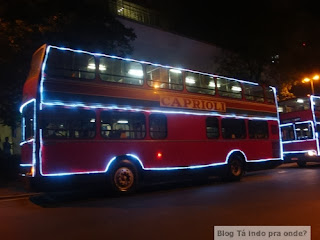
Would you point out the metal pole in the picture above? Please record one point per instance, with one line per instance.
(312, 88)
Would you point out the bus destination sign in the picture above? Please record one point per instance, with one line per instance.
(191, 103)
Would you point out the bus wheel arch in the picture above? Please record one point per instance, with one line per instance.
(123, 174)
(236, 165)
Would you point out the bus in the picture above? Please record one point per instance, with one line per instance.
(91, 113)
(300, 125)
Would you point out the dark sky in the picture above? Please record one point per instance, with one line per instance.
(289, 28)
(234, 24)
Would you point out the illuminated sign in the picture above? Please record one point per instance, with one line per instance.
(191, 103)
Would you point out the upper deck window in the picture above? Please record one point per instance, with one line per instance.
(316, 105)
(253, 92)
(293, 105)
(120, 71)
(270, 95)
(159, 77)
(70, 64)
(200, 83)
(229, 88)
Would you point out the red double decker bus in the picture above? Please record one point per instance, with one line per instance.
(300, 127)
(91, 113)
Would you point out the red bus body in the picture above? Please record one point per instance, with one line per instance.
(300, 129)
(170, 125)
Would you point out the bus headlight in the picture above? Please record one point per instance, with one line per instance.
(311, 153)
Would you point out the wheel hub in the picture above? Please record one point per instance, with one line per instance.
(123, 178)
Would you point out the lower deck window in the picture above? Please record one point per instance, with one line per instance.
(304, 131)
(233, 128)
(258, 129)
(212, 127)
(58, 123)
(123, 125)
(287, 133)
(158, 126)
(27, 122)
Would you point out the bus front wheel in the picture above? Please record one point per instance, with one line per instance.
(123, 177)
(302, 164)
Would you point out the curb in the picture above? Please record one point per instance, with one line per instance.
(18, 196)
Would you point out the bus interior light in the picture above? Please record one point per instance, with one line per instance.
(236, 89)
(91, 66)
(299, 100)
(159, 155)
(174, 70)
(212, 84)
(135, 72)
(102, 67)
(190, 80)
(122, 121)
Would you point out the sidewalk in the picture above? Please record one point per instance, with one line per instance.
(11, 184)
(12, 189)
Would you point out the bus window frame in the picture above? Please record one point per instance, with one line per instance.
(71, 137)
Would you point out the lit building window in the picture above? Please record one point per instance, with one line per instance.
(135, 12)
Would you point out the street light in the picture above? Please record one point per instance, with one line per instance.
(314, 78)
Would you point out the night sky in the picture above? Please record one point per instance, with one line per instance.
(288, 28)
(234, 23)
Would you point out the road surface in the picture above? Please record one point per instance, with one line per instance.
(286, 196)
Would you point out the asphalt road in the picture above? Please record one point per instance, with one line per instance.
(285, 196)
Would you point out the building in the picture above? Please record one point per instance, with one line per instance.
(155, 44)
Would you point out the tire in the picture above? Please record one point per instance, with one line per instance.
(123, 177)
(302, 164)
(235, 168)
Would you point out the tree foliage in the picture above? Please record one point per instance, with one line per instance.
(25, 25)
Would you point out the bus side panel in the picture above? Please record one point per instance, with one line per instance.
(300, 146)
(31, 85)
(92, 156)
(26, 153)
(304, 115)
(79, 157)
(258, 149)
(58, 157)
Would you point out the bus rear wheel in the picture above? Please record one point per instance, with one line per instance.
(123, 177)
(235, 169)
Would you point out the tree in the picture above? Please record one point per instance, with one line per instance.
(275, 28)
(86, 25)
(246, 67)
